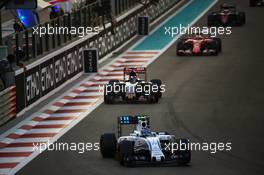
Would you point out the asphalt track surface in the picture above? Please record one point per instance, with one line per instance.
(212, 99)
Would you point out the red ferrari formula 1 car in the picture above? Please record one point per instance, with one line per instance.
(227, 16)
(199, 45)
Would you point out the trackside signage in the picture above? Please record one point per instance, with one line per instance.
(143, 25)
(90, 59)
(47, 76)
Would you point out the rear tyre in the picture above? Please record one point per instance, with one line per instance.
(180, 46)
(109, 96)
(252, 3)
(108, 144)
(242, 18)
(210, 21)
(157, 82)
(152, 98)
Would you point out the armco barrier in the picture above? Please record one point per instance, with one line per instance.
(48, 75)
(7, 104)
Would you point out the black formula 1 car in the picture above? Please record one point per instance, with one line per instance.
(199, 45)
(132, 88)
(254, 3)
(143, 146)
(227, 16)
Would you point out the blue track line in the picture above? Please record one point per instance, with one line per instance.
(158, 40)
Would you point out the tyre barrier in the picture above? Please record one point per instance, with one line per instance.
(7, 104)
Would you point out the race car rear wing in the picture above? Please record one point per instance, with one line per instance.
(130, 120)
(228, 6)
(138, 70)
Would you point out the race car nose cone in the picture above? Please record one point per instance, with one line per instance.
(224, 18)
(196, 49)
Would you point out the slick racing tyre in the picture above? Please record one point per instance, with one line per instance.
(252, 3)
(219, 44)
(180, 46)
(152, 98)
(241, 18)
(213, 46)
(126, 153)
(210, 20)
(185, 155)
(108, 144)
(108, 98)
(159, 83)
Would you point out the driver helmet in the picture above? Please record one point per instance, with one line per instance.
(145, 131)
(132, 77)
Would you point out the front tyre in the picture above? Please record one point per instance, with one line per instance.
(184, 154)
(213, 46)
(126, 153)
(108, 144)
(219, 44)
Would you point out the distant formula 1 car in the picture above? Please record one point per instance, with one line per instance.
(143, 146)
(199, 45)
(132, 88)
(227, 16)
(254, 3)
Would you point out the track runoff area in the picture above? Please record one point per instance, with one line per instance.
(55, 120)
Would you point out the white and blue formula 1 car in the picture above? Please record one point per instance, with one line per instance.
(143, 146)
